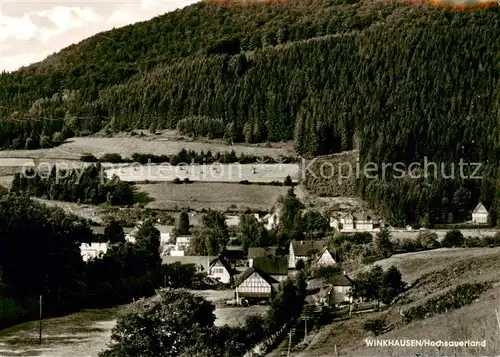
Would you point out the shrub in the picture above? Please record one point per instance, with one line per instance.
(376, 326)
(187, 180)
(112, 158)
(88, 158)
(453, 238)
(288, 181)
(177, 180)
(300, 264)
(462, 295)
(428, 240)
(245, 182)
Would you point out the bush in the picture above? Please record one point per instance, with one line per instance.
(245, 182)
(112, 158)
(187, 180)
(177, 180)
(452, 239)
(288, 181)
(88, 158)
(462, 295)
(376, 326)
(428, 240)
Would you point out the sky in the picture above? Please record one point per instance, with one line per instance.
(30, 30)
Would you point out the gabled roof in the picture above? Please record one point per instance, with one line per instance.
(480, 208)
(203, 261)
(302, 248)
(325, 249)
(224, 263)
(272, 265)
(260, 252)
(340, 280)
(247, 273)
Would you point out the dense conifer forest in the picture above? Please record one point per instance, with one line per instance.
(398, 82)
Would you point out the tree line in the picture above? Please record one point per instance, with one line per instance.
(50, 241)
(90, 185)
(332, 76)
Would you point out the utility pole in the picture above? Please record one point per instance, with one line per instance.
(305, 329)
(40, 321)
(289, 343)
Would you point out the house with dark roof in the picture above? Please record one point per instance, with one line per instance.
(220, 269)
(276, 267)
(235, 255)
(263, 278)
(255, 284)
(303, 250)
(260, 252)
(335, 291)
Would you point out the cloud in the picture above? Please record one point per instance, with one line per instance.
(31, 36)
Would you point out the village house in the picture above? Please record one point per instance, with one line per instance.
(93, 250)
(334, 292)
(342, 287)
(355, 222)
(260, 252)
(303, 250)
(220, 269)
(254, 284)
(262, 280)
(480, 214)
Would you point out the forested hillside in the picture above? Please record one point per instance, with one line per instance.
(399, 82)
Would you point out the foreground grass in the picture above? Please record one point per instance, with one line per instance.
(55, 329)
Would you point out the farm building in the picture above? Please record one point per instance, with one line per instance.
(260, 252)
(93, 250)
(480, 214)
(255, 284)
(302, 250)
(221, 270)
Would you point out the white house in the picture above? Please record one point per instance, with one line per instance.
(303, 250)
(165, 233)
(220, 270)
(480, 214)
(183, 242)
(325, 258)
(355, 222)
(93, 250)
(341, 288)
